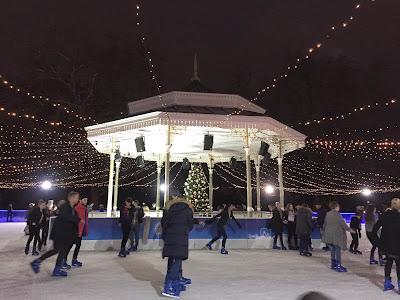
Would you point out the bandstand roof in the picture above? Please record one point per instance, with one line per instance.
(187, 134)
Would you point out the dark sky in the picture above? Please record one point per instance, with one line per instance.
(259, 34)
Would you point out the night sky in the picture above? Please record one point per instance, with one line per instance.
(224, 33)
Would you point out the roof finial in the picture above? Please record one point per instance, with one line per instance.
(195, 73)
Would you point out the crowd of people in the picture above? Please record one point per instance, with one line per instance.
(71, 224)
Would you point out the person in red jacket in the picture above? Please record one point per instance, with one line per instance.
(82, 231)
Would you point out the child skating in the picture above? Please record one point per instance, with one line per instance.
(355, 224)
(224, 216)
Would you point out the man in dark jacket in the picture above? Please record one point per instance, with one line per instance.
(177, 222)
(63, 234)
(321, 212)
(276, 225)
(389, 241)
(35, 220)
(304, 228)
(125, 221)
(137, 220)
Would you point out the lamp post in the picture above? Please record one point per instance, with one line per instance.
(118, 159)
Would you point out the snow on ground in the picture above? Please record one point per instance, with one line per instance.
(243, 274)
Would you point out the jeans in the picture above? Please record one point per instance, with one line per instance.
(304, 241)
(221, 232)
(59, 247)
(126, 229)
(354, 242)
(388, 267)
(77, 248)
(33, 235)
(336, 254)
(174, 269)
(135, 229)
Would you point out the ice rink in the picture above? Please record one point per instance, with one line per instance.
(243, 274)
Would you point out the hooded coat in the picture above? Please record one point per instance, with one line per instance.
(389, 241)
(335, 230)
(177, 222)
(303, 222)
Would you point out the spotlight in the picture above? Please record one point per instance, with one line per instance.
(208, 142)
(186, 164)
(46, 185)
(163, 187)
(269, 189)
(232, 163)
(140, 161)
(366, 192)
(140, 147)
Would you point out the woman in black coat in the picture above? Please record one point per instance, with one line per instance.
(389, 241)
(276, 225)
(177, 222)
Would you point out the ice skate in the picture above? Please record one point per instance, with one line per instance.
(34, 252)
(57, 272)
(223, 251)
(209, 246)
(35, 265)
(388, 285)
(76, 263)
(170, 291)
(27, 250)
(122, 253)
(276, 247)
(64, 265)
(184, 280)
(339, 268)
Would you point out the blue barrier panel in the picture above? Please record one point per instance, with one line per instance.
(17, 215)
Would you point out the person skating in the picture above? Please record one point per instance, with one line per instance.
(321, 214)
(83, 229)
(125, 221)
(335, 236)
(389, 241)
(34, 220)
(355, 224)
(137, 220)
(276, 225)
(304, 228)
(289, 217)
(370, 220)
(177, 222)
(10, 213)
(63, 233)
(225, 215)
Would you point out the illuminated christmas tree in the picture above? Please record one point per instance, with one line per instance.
(196, 188)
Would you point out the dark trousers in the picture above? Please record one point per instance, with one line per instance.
(126, 229)
(77, 243)
(221, 232)
(336, 254)
(135, 230)
(304, 241)
(291, 229)
(33, 235)
(373, 242)
(174, 269)
(354, 242)
(280, 235)
(59, 247)
(9, 217)
(388, 267)
(45, 233)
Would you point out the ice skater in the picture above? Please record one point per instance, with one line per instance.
(34, 221)
(289, 218)
(10, 213)
(137, 220)
(389, 241)
(335, 236)
(63, 233)
(276, 225)
(83, 230)
(370, 220)
(304, 228)
(225, 215)
(125, 221)
(355, 224)
(177, 222)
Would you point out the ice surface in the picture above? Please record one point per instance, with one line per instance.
(243, 274)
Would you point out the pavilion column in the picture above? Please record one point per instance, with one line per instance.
(258, 185)
(117, 165)
(110, 184)
(159, 167)
(248, 172)
(167, 163)
(210, 184)
(280, 174)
